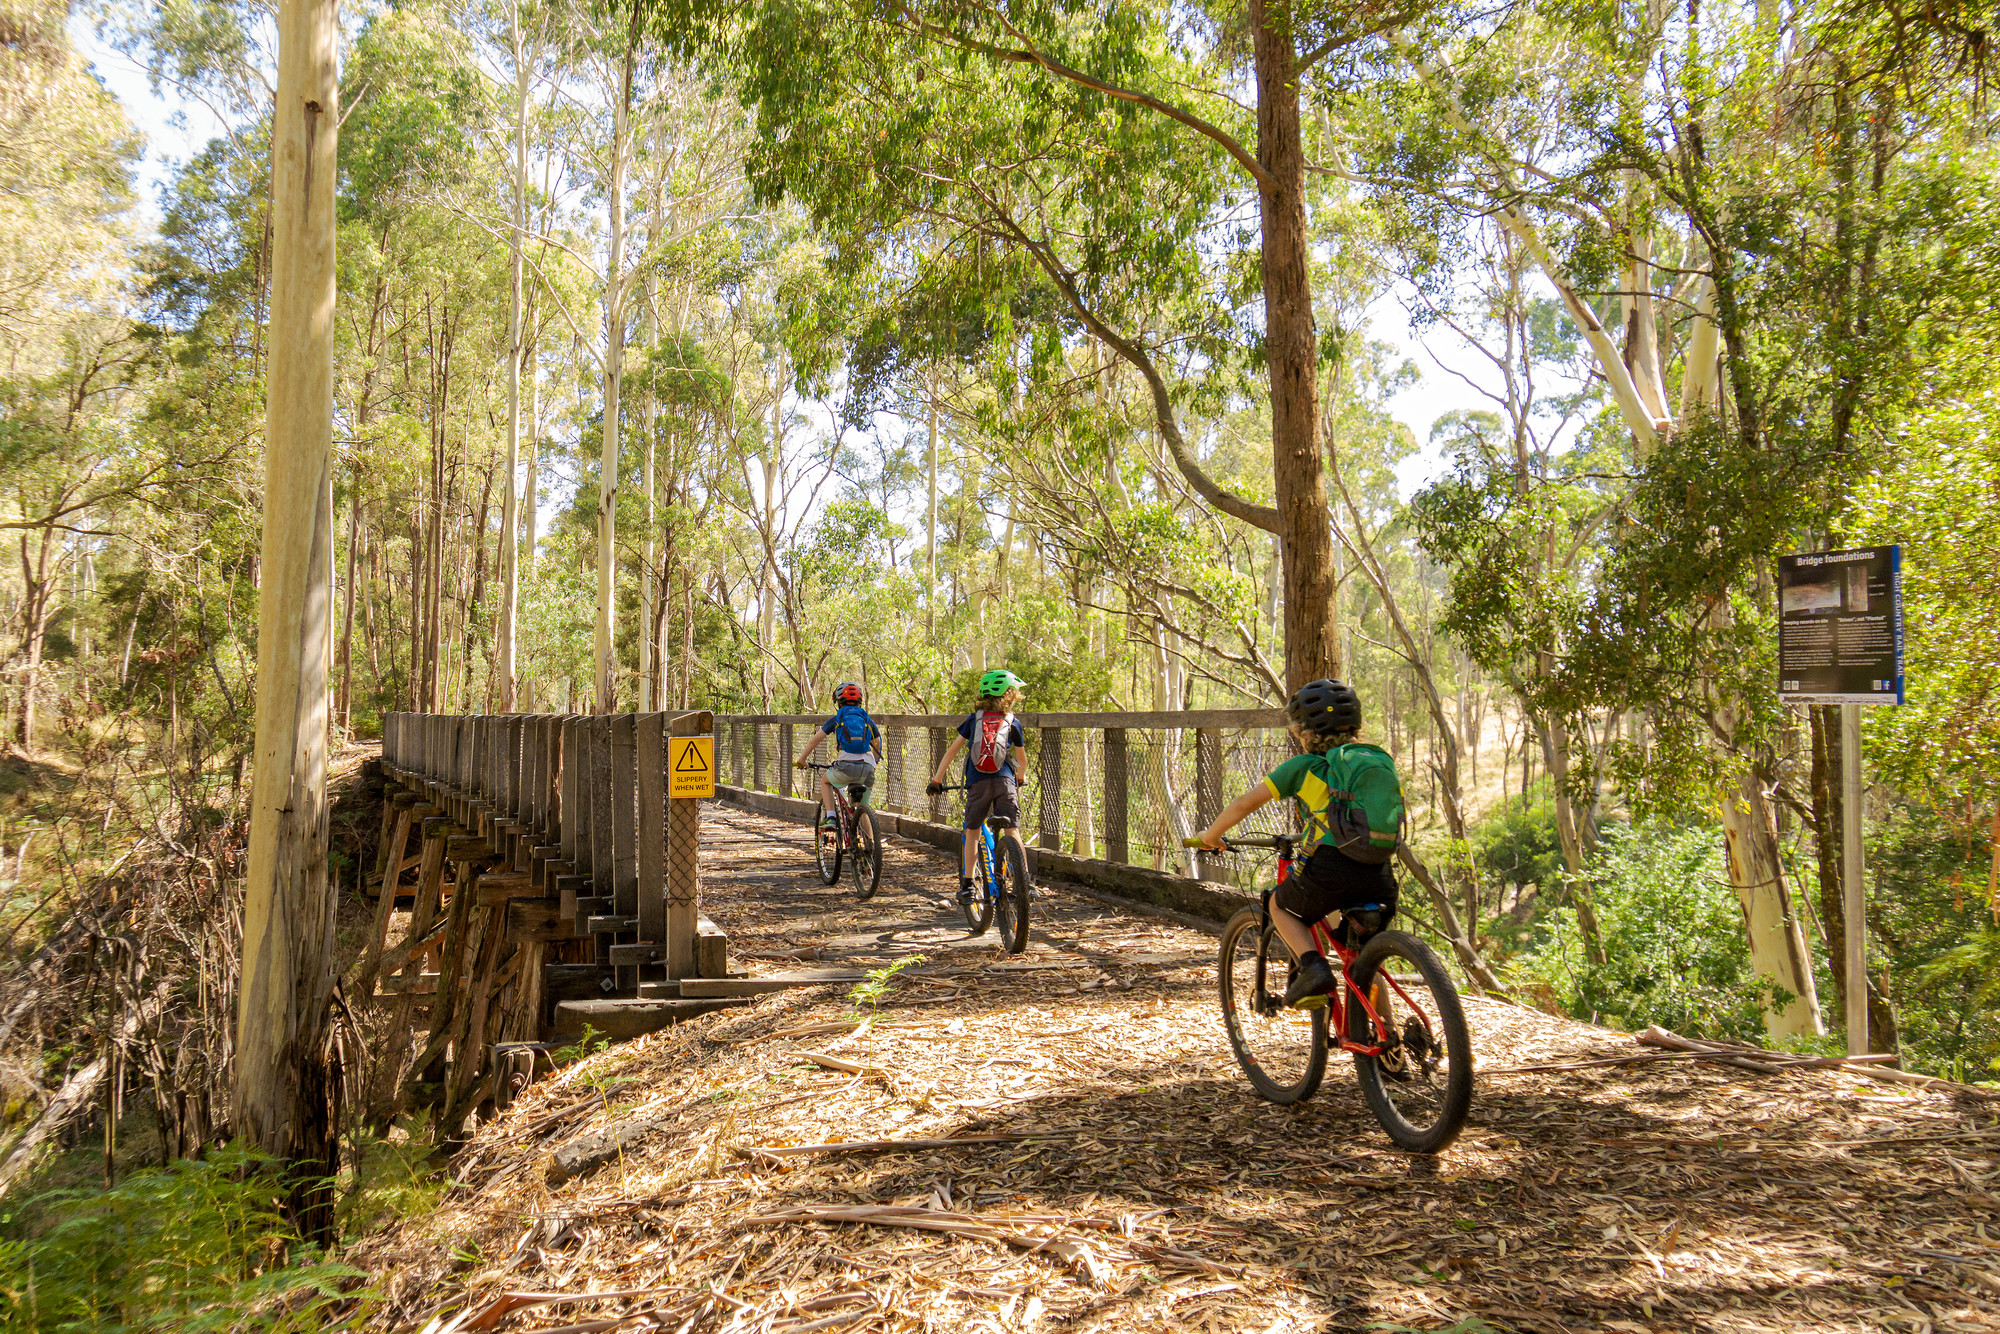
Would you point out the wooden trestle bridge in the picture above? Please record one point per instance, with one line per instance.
(550, 883)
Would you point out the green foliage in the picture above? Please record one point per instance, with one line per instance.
(881, 981)
(1932, 924)
(1942, 502)
(585, 1047)
(1673, 937)
(196, 1245)
(1516, 845)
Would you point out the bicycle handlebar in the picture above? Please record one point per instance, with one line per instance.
(1275, 842)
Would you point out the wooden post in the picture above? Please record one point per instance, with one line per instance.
(651, 758)
(571, 794)
(736, 754)
(597, 813)
(757, 756)
(283, 1091)
(784, 759)
(1048, 765)
(939, 742)
(683, 864)
(624, 814)
(1208, 795)
(1853, 891)
(1117, 847)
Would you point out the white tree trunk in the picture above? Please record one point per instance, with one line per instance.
(510, 519)
(281, 1096)
(1777, 942)
(614, 368)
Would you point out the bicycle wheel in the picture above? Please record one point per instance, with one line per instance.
(864, 859)
(826, 847)
(1012, 910)
(1420, 1088)
(979, 912)
(1283, 1051)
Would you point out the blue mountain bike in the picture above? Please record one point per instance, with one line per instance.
(1002, 887)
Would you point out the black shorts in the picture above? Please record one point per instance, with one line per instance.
(993, 797)
(1331, 881)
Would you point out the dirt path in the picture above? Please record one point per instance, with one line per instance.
(1130, 1181)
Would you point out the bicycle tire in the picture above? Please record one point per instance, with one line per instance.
(1261, 1035)
(1438, 1082)
(826, 846)
(1015, 890)
(979, 912)
(865, 857)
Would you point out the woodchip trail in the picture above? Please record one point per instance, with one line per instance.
(1117, 1173)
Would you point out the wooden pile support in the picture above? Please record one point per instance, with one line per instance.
(550, 883)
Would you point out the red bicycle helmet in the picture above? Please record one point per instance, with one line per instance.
(847, 692)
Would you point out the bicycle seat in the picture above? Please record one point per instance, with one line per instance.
(1364, 920)
(856, 792)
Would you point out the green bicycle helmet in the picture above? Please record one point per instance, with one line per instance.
(998, 682)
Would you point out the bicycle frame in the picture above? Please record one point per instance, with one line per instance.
(989, 855)
(1331, 947)
(844, 807)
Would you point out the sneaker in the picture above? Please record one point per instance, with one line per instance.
(965, 891)
(1310, 984)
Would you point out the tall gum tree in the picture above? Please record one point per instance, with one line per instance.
(1741, 207)
(996, 121)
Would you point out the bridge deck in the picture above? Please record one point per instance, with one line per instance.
(1130, 1180)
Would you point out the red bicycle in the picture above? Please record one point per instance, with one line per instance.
(1395, 1009)
(847, 834)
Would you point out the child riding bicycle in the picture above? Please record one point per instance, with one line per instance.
(996, 758)
(858, 747)
(1351, 805)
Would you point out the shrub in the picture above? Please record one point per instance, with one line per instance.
(195, 1245)
(1675, 953)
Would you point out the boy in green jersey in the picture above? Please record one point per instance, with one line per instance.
(1350, 806)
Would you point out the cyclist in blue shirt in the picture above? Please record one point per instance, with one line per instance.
(858, 747)
(996, 757)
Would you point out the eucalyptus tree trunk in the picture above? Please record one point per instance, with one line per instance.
(609, 469)
(284, 1093)
(1312, 639)
(510, 575)
(930, 524)
(648, 629)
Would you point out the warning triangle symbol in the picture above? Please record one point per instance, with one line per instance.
(691, 761)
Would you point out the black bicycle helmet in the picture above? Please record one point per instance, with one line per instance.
(1325, 708)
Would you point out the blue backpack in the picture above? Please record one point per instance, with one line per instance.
(853, 728)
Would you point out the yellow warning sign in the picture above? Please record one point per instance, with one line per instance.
(690, 766)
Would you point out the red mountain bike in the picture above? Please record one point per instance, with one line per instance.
(1394, 1007)
(849, 837)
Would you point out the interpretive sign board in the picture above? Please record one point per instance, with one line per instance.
(1840, 627)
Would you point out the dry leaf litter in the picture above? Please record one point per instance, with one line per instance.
(1062, 1141)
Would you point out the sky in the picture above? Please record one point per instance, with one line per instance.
(175, 130)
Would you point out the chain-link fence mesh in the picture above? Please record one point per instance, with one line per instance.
(1118, 793)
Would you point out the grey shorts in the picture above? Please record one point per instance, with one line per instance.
(994, 798)
(847, 773)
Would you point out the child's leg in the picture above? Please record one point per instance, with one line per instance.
(971, 853)
(827, 795)
(1293, 931)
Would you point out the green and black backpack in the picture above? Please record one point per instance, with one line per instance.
(1366, 810)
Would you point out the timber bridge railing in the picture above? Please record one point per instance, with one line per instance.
(550, 881)
(1109, 796)
(1108, 799)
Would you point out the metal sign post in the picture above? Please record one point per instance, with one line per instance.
(1840, 641)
